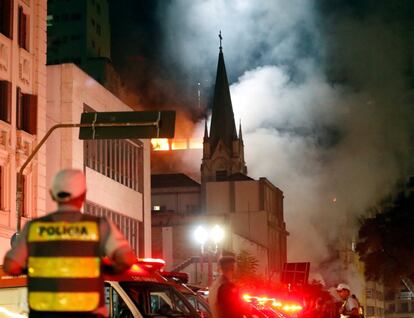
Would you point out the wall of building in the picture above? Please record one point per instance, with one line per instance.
(183, 200)
(249, 211)
(255, 210)
(69, 91)
(374, 299)
(23, 68)
(399, 303)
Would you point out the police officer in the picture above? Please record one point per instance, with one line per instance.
(224, 297)
(62, 252)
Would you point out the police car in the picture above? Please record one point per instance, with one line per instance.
(138, 293)
(180, 280)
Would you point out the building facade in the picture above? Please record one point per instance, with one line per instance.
(80, 33)
(117, 171)
(399, 303)
(22, 110)
(254, 210)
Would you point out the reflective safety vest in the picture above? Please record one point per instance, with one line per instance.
(64, 265)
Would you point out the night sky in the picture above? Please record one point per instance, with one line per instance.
(323, 88)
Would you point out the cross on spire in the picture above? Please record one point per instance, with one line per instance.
(221, 38)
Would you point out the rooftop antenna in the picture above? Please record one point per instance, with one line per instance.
(221, 38)
(199, 95)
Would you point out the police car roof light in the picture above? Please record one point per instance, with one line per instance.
(152, 263)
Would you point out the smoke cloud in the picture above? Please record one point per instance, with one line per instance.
(323, 90)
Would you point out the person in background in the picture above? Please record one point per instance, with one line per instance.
(350, 306)
(62, 254)
(224, 297)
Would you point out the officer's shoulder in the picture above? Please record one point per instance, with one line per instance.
(43, 218)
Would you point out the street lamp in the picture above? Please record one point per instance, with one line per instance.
(217, 235)
(209, 241)
(201, 236)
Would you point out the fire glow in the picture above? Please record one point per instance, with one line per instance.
(164, 144)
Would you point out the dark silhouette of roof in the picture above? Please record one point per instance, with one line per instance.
(222, 118)
(172, 180)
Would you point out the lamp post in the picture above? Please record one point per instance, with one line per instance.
(209, 241)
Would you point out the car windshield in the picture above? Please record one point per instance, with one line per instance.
(156, 300)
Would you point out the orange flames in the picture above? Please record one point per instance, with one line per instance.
(164, 144)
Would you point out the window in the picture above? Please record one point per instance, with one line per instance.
(370, 311)
(161, 303)
(391, 308)
(93, 43)
(180, 305)
(93, 21)
(368, 293)
(403, 307)
(156, 208)
(221, 175)
(26, 112)
(389, 295)
(23, 23)
(1, 188)
(127, 225)
(49, 20)
(75, 16)
(6, 18)
(98, 8)
(120, 160)
(5, 101)
(98, 29)
(119, 307)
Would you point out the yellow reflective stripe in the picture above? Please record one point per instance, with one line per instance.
(63, 231)
(64, 301)
(64, 267)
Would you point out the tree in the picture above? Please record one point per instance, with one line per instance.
(246, 265)
(386, 241)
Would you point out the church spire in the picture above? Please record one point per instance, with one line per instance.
(222, 118)
(240, 132)
(221, 38)
(223, 150)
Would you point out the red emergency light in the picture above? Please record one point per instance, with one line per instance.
(272, 302)
(153, 264)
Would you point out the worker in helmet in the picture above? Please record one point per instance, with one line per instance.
(62, 254)
(350, 306)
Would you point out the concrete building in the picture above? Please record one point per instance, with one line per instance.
(399, 303)
(369, 293)
(117, 171)
(250, 211)
(80, 33)
(22, 110)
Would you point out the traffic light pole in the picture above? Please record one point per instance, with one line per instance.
(20, 176)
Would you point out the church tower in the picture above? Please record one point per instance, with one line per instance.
(223, 149)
